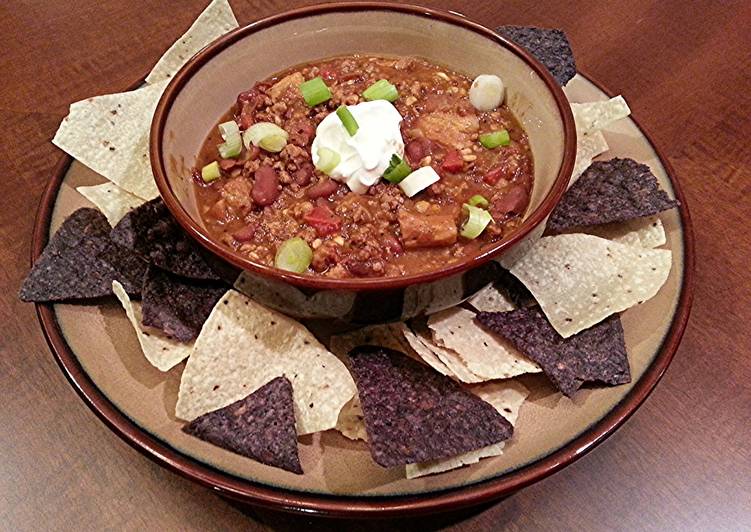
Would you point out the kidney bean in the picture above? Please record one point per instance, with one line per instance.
(322, 189)
(417, 150)
(245, 234)
(265, 186)
(513, 201)
(304, 174)
(453, 162)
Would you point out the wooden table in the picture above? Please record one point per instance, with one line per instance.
(682, 461)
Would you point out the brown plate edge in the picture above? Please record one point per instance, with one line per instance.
(380, 507)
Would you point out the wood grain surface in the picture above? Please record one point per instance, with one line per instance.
(682, 462)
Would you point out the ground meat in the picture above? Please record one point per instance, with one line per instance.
(236, 195)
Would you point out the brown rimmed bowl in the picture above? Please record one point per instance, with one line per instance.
(208, 84)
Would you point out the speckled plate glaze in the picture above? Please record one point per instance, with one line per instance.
(99, 354)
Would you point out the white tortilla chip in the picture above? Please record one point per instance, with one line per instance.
(644, 232)
(594, 116)
(443, 360)
(351, 422)
(507, 397)
(485, 354)
(387, 335)
(244, 345)
(161, 350)
(587, 148)
(579, 280)
(511, 257)
(110, 135)
(113, 201)
(490, 299)
(216, 20)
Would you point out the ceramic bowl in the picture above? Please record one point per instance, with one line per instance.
(208, 84)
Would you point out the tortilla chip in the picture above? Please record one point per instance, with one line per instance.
(80, 262)
(597, 354)
(484, 354)
(643, 232)
(617, 190)
(579, 280)
(549, 46)
(594, 116)
(110, 135)
(243, 345)
(351, 422)
(113, 201)
(490, 299)
(216, 20)
(176, 305)
(261, 426)
(507, 398)
(413, 414)
(587, 148)
(445, 361)
(385, 335)
(152, 232)
(161, 350)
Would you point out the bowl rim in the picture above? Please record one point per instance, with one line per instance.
(248, 492)
(314, 282)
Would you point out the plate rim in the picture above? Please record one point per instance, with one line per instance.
(347, 506)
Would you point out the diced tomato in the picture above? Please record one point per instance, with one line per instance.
(323, 220)
(453, 162)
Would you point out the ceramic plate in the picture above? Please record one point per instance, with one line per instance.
(99, 353)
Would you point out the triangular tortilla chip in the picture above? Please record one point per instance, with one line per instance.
(484, 354)
(261, 426)
(413, 414)
(597, 354)
(110, 135)
(113, 201)
(594, 116)
(549, 46)
(216, 20)
(80, 262)
(161, 350)
(579, 280)
(243, 345)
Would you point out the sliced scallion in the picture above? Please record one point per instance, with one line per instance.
(266, 135)
(293, 255)
(327, 160)
(477, 220)
(478, 201)
(381, 90)
(398, 169)
(233, 142)
(315, 91)
(418, 180)
(495, 139)
(348, 121)
(211, 172)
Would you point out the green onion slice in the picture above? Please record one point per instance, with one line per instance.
(495, 139)
(233, 142)
(266, 135)
(327, 160)
(315, 91)
(293, 255)
(348, 121)
(398, 169)
(211, 172)
(478, 201)
(419, 180)
(381, 90)
(476, 223)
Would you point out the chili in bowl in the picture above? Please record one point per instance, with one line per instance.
(369, 182)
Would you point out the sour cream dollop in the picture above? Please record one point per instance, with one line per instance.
(364, 156)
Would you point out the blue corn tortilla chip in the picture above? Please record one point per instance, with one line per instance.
(550, 47)
(597, 354)
(177, 305)
(617, 190)
(414, 414)
(80, 262)
(150, 231)
(261, 426)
